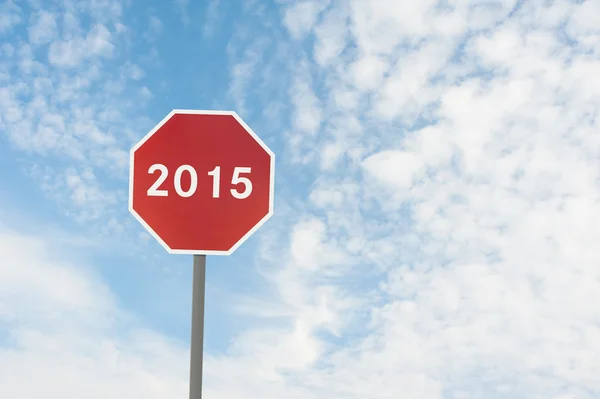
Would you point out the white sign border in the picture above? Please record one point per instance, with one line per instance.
(271, 182)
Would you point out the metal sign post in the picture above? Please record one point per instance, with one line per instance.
(197, 342)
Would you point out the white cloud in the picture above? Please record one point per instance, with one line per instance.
(212, 18)
(99, 40)
(378, 27)
(71, 53)
(44, 29)
(132, 71)
(395, 169)
(476, 198)
(78, 192)
(368, 72)
(9, 16)
(331, 36)
(65, 331)
(582, 27)
(307, 114)
(50, 284)
(243, 71)
(301, 17)
(183, 5)
(64, 102)
(307, 246)
(406, 91)
(155, 26)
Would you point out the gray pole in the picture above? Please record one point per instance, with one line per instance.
(197, 343)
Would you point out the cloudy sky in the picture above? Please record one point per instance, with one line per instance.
(437, 216)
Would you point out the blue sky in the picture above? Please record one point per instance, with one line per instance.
(437, 199)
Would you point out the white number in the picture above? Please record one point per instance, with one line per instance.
(236, 179)
(193, 181)
(216, 175)
(153, 191)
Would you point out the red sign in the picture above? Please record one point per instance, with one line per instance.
(201, 182)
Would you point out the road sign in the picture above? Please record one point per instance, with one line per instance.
(201, 182)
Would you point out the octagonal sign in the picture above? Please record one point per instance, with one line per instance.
(201, 182)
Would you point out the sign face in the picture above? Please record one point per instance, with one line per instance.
(201, 182)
